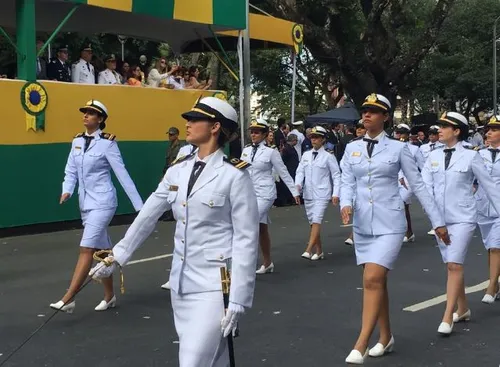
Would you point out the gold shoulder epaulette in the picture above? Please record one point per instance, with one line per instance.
(248, 145)
(79, 135)
(238, 163)
(181, 159)
(272, 146)
(108, 136)
(330, 151)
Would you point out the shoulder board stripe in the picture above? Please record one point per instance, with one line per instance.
(108, 136)
(79, 135)
(356, 139)
(237, 163)
(248, 145)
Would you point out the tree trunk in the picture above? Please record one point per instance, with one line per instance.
(404, 110)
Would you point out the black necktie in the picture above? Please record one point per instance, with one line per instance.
(370, 146)
(88, 66)
(433, 145)
(494, 153)
(315, 154)
(254, 150)
(88, 139)
(198, 167)
(447, 157)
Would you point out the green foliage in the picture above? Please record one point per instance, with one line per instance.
(459, 68)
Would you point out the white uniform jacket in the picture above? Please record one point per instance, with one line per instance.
(419, 159)
(92, 171)
(484, 206)
(83, 72)
(452, 188)
(320, 177)
(261, 171)
(427, 148)
(373, 182)
(217, 222)
(109, 77)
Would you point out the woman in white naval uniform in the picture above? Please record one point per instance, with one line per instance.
(92, 157)
(370, 171)
(449, 175)
(215, 207)
(488, 218)
(318, 177)
(427, 148)
(265, 161)
(402, 133)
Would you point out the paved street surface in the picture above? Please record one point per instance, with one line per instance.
(305, 314)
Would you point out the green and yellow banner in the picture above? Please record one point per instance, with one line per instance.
(224, 13)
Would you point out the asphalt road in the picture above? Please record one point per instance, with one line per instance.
(306, 314)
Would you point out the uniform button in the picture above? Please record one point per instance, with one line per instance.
(182, 241)
(369, 160)
(211, 203)
(370, 188)
(183, 221)
(182, 259)
(184, 203)
(371, 201)
(369, 173)
(221, 257)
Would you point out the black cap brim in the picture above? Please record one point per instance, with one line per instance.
(369, 106)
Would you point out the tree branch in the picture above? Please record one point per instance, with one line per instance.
(404, 65)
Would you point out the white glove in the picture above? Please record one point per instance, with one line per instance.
(230, 321)
(101, 270)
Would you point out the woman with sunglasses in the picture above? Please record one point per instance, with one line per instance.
(264, 160)
(370, 170)
(488, 218)
(449, 175)
(92, 157)
(216, 211)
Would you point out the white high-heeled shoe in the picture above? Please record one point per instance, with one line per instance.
(103, 306)
(409, 239)
(355, 357)
(489, 299)
(264, 270)
(445, 328)
(68, 308)
(465, 317)
(316, 257)
(379, 350)
(306, 255)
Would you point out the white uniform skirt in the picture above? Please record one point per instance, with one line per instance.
(490, 231)
(382, 250)
(95, 228)
(315, 209)
(197, 318)
(264, 205)
(460, 236)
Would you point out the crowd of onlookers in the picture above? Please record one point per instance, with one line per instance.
(108, 69)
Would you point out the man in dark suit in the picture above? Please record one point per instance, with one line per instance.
(41, 62)
(344, 140)
(279, 135)
(58, 68)
(291, 159)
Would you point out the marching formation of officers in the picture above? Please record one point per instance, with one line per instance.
(221, 207)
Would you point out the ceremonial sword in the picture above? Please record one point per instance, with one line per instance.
(225, 277)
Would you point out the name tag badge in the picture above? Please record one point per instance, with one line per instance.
(244, 154)
(78, 147)
(356, 154)
(173, 188)
(435, 164)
